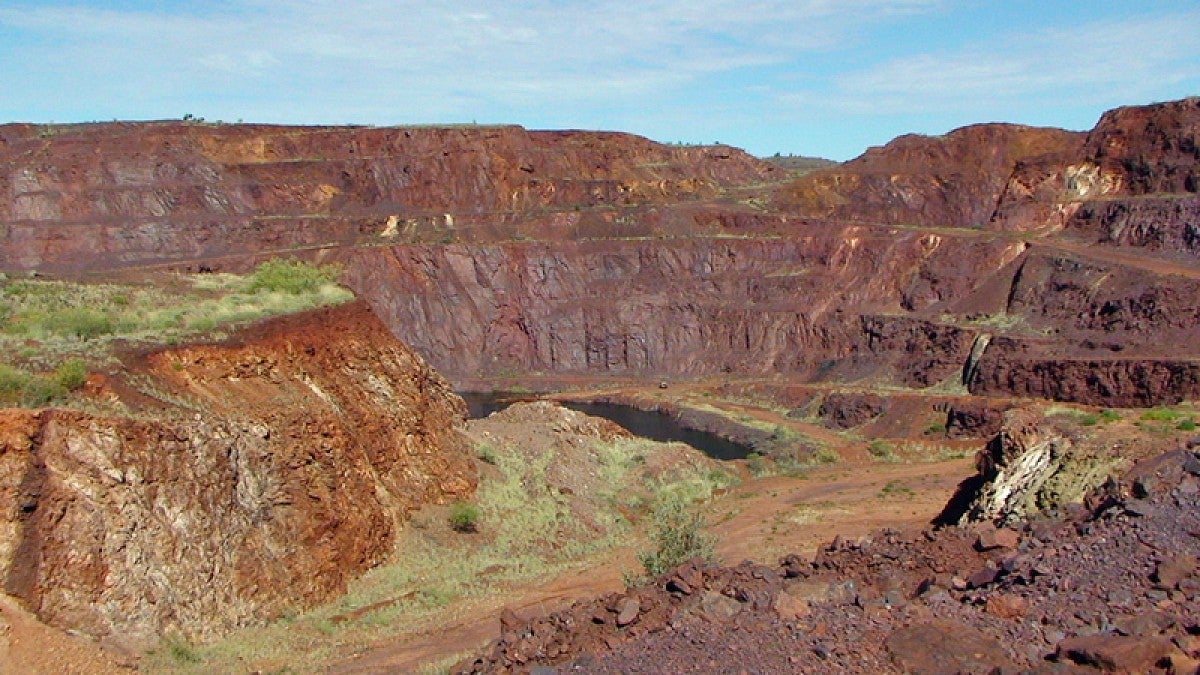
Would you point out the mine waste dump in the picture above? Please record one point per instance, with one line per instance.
(650, 424)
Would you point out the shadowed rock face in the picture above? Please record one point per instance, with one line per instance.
(281, 472)
(691, 307)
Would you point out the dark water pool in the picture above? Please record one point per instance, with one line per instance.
(652, 425)
(660, 427)
(482, 404)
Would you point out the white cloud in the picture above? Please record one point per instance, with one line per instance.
(506, 53)
(1100, 62)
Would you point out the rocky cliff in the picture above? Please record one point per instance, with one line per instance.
(946, 181)
(248, 477)
(129, 193)
(683, 307)
(1020, 260)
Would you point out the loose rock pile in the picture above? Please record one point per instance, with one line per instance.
(1110, 585)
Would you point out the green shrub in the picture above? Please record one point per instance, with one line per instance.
(464, 517)
(12, 383)
(1161, 415)
(1186, 425)
(1089, 420)
(291, 276)
(881, 450)
(757, 465)
(487, 454)
(85, 324)
(676, 538)
(71, 374)
(1107, 415)
(40, 391)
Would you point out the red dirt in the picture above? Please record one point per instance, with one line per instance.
(1115, 587)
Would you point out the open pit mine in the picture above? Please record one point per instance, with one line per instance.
(974, 359)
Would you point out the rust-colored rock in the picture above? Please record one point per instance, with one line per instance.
(110, 195)
(846, 410)
(1118, 653)
(953, 180)
(1019, 261)
(940, 647)
(271, 470)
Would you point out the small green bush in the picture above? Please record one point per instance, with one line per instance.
(1161, 415)
(881, 450)
(757, 465)
(12, 382)
(85, 324)
(40, 391)
(1107, 415)
(71, 374)
(676, 537)
(291, 276)
(1186, 425)
(464, 517)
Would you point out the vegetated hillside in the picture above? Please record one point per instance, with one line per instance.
(218, 485)
(1007, 259)
(799, 165)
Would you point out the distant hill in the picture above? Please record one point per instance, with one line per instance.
(799, 164)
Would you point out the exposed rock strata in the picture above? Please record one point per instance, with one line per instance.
(111, 195)
(688, 307)
(497, 251)
(263, 474)
(948, 181)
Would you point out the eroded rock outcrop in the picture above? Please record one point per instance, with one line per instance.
(1031, 467)
(260, 474)
(946, 181)
(1123, 185)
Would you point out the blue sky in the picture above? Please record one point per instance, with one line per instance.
(816, 77)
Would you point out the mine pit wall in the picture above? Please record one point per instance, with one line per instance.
(840, 300)
(99, 196)
(1014, 368)
(1168, 224)
(280, 472)
(1072, 297)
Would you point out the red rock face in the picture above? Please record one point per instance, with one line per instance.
(496, 251)
(110, 195)
(279, 473)
(949, 181)
(692, 307)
